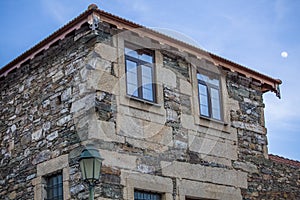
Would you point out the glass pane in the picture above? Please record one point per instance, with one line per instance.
(141, 195)
(203, 100)
(132, 90)
(55, 191)
(131, 78)
(146, 58)
(54, 187)
(216, 114)
(202, 89)
(131, 52)
(131, 66)
(214, 82)
(59, 179)
(49, 193)
(82, 169)
(146, 73)
(201, 77)
(97, 167)
(139, 54)
(88, 163)
(54, 180)
(209, 80)
(147, 85)
(148, 93)
(204, 110)
(60, 190)
(215, 101)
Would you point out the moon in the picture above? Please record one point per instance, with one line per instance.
(284, 54)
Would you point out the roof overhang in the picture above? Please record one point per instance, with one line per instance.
(268, 83)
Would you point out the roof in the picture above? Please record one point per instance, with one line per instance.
(269, 83)
(285, 161)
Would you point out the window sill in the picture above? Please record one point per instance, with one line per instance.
(143, 101)
(214, 120)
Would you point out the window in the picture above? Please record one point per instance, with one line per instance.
(142, 195)
(52, 181)
(54, 187)
(139, 73)
(209, 95)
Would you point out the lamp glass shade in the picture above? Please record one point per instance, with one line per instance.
(97, 167)
(86, 166)
(90, 164)
(82, 169)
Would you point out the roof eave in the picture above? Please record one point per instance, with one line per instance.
(270, 83)
(46, 43)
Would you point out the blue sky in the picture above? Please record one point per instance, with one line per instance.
(251, 33)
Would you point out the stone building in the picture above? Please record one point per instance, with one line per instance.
(170, 120)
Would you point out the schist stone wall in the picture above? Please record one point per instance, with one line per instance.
(267, 179)
(74, 93)
(36, 124)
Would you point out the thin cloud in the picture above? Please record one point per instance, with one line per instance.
(140, 6)
(137, 6)
(281, 9)
(282, 118)
(57, 10)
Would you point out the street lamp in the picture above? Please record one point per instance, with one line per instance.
(90, 165)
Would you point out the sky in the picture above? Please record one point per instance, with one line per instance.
(251, 33)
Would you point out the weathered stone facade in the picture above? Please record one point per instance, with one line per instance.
(74, 93)
(267, 179)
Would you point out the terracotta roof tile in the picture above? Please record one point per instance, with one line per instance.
(283, 160)
(271, 82)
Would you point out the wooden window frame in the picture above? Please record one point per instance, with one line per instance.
(139, 64)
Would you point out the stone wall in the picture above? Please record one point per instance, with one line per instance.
(74, 93)
(37, 123)
(272, 180)
(248, 118)
(267, 179)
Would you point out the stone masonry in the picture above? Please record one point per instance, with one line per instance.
(74, 93)
(267, 179)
